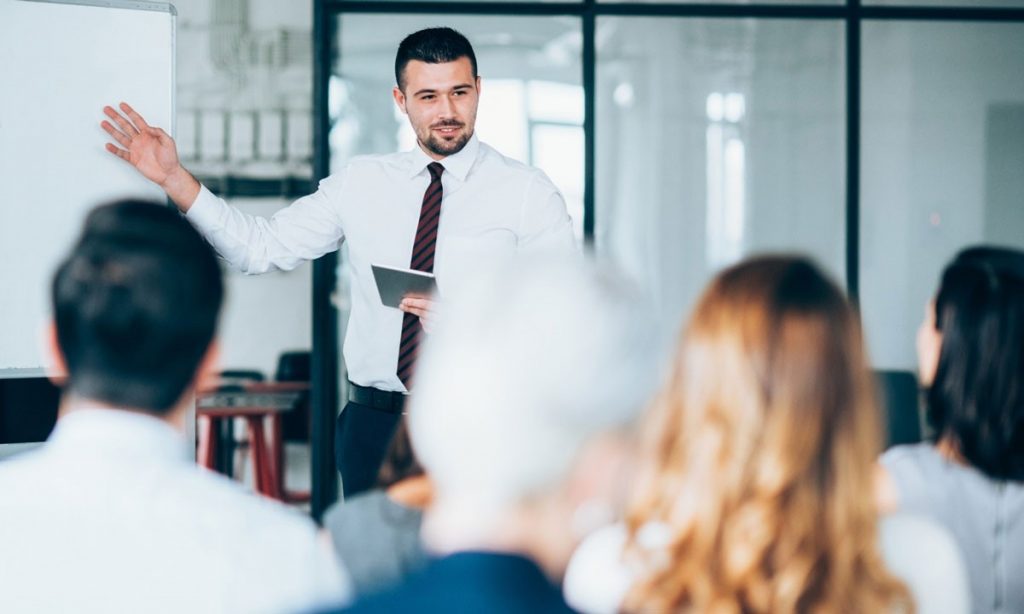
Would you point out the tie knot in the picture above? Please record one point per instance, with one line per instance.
(435, 169)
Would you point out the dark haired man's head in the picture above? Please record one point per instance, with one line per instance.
(972, 347)
(135, 306)
(432, 46)
(438, 88)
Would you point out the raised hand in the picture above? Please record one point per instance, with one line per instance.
(151, 151)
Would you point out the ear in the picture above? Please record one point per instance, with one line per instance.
(58, 372)
(209, 367)
(399, 97)
(478, 85)
(929, 347)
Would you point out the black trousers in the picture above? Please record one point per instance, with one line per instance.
(361, 437)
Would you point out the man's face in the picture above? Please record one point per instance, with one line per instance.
(441, 101)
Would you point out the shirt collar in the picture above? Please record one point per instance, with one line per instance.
(118, 433)
(458, 165)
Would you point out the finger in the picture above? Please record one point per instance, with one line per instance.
(164, 138)
(116, 134)
(416, 311)
(412, 301)
(120, 153)
(123, 123)
(141, 123)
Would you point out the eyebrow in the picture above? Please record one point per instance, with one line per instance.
(461, 86)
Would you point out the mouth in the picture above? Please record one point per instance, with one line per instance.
(447, 131)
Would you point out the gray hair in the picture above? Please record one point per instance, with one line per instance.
(526, 367)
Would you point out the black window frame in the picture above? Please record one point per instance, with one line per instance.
(326, 360)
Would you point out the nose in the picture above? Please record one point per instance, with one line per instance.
(447, 108)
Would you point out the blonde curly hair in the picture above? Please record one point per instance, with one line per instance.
(762, 450)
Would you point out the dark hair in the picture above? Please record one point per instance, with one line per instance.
(136, 305)
(400, 462)
(977, 396)
(433, 46)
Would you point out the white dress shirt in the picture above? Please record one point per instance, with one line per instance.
(110, 515)
(493, 208)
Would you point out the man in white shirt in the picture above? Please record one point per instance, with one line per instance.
(389, 210)
(111, 514)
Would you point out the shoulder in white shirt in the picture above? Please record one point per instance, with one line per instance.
(919, 552)
(110, 515)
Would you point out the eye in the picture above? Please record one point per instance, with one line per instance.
(427, 97)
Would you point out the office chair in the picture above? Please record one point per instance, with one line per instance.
(294, 366)
(901, 404)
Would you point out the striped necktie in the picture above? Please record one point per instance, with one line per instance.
(422, 260)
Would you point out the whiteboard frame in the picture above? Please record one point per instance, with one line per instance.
(160, 7)
(20, 373)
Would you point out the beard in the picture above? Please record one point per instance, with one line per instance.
(446, 147)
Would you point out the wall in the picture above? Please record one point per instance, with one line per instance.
(655, 175)
(934, 171)
(239, 57)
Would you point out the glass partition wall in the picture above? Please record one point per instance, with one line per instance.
(878, 139)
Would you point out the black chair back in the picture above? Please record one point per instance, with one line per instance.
(295, 367)
(901, 405)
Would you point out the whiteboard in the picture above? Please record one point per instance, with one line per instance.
(60, 63)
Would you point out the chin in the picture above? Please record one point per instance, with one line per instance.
(448, 147)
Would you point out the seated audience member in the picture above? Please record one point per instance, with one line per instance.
(971, 478)
(524, 403)
(111, 514)
(376, 534)
(758, 495)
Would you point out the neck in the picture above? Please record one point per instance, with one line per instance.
(175, 418)
(415, 492)
(537, 530)
(949, 449)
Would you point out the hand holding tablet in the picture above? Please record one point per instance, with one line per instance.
(394, 284)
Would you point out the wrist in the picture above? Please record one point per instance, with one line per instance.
(181, 187)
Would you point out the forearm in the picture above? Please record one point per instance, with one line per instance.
(244, 241)
(182, 188)
(303, 231)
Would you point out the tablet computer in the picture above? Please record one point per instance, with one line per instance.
(394, 284)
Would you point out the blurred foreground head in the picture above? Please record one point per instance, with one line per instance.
(135, 306)
(528, 367)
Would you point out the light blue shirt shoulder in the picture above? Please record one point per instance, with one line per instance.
(984, 515)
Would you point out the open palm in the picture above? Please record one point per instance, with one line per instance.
(150, 150)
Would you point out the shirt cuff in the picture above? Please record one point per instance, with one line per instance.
(205, 211)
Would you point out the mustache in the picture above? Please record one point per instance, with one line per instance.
(448, 124)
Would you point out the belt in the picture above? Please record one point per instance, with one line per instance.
(383, 400)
